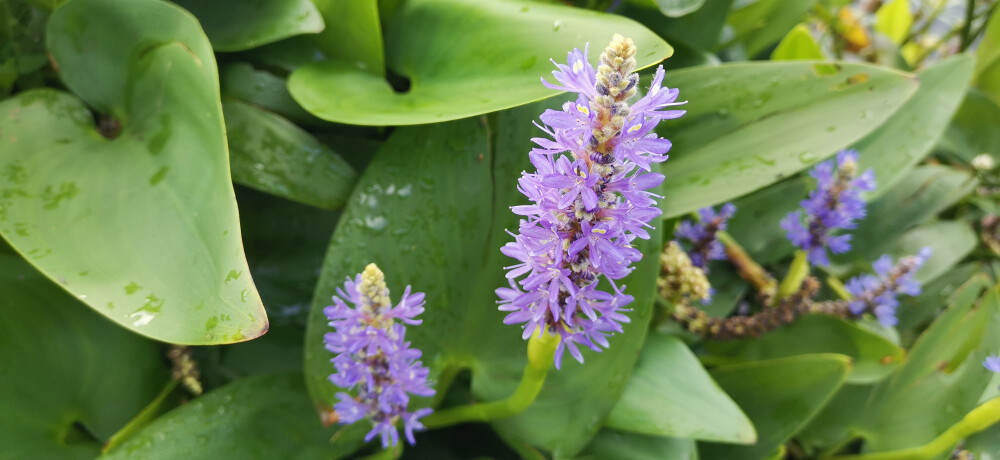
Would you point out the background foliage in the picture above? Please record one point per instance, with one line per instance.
(201, 172)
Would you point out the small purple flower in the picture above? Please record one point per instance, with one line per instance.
(877, 293)
(992, 363)
(373, 357)
(702, 235)
(836, 203)
(590, 199)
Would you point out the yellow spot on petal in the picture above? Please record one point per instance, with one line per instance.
(583, 109)
(577, 66)
(599, 231)
(635, 128)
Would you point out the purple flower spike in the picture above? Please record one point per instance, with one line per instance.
(835, 204)
(590, 200)
(702, 235)
(992, 363)
(877, 293)
(373, 358)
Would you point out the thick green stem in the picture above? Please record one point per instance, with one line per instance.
(746, 267)
(146, 415)
(838, 288)
(541, 353)
(975, 421)
(797, 273)
(448, 374)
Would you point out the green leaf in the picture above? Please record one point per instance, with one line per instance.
(942, 379)
(725, 146)
(975, 129)
(273, 155)
(670, 394)
(353, 34)
(780, 396)
(448, 247)
(246, 24)
(913, 131)
(678, 8)
(893, 19)
(919, 196)
(872, 356)
(72, 378)
(760, 23)
(242, 81)
(255, 417)
(699, 29)
(950, 242)
(143, 227)
(916, 313)
(504, 50)
(799, 44)
(631, 446)
(988, 59)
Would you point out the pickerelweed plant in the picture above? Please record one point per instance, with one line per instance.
(591, 198)
(831, 208)
(373, 357)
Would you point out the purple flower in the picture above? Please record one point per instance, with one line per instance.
(702, 235)
(374, 358)
(992, 363)
(877, 293)
(590, 199)
(835, 204)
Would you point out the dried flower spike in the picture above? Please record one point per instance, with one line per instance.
(835, 204)
(373, 357)
(705, 245)
(588, 205)
(877, 293)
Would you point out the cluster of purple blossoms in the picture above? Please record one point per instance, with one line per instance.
(835, 204)
(373, 357)
(877, 293)
(705, 246)
(589, 205)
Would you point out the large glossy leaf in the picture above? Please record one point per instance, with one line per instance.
(353, 34)
(912, 132)
(678, 8)
(872, 356)
(236, 26)
(630, 446)
(271, 154)
(671, 394)
(142, 227)
(504, 49)
(950, 242)
(71, 378)
(726, 145)
(915, 313)
(257, 417)
(240, 80)
(942, 379)
(758, 24)
(975, 129)
(441, 233)
(699, 29)
(780, 396)
(916, 198)
(988, 59)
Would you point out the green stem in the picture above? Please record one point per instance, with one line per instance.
(444, 381)
(838, 287)
(541, 353)
(142, 418)
(797, 273)
(975, 421)
(970, 9)
(746, 267)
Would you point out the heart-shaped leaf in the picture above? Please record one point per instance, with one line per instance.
(353, 33)
(72, 379)
(142, 227)
(671, 394)
(237, 26)
(504, 49)
(727, 144)
(455, 259)
(267, 416)
(273, 155)
(780, 396)
(872, 356)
